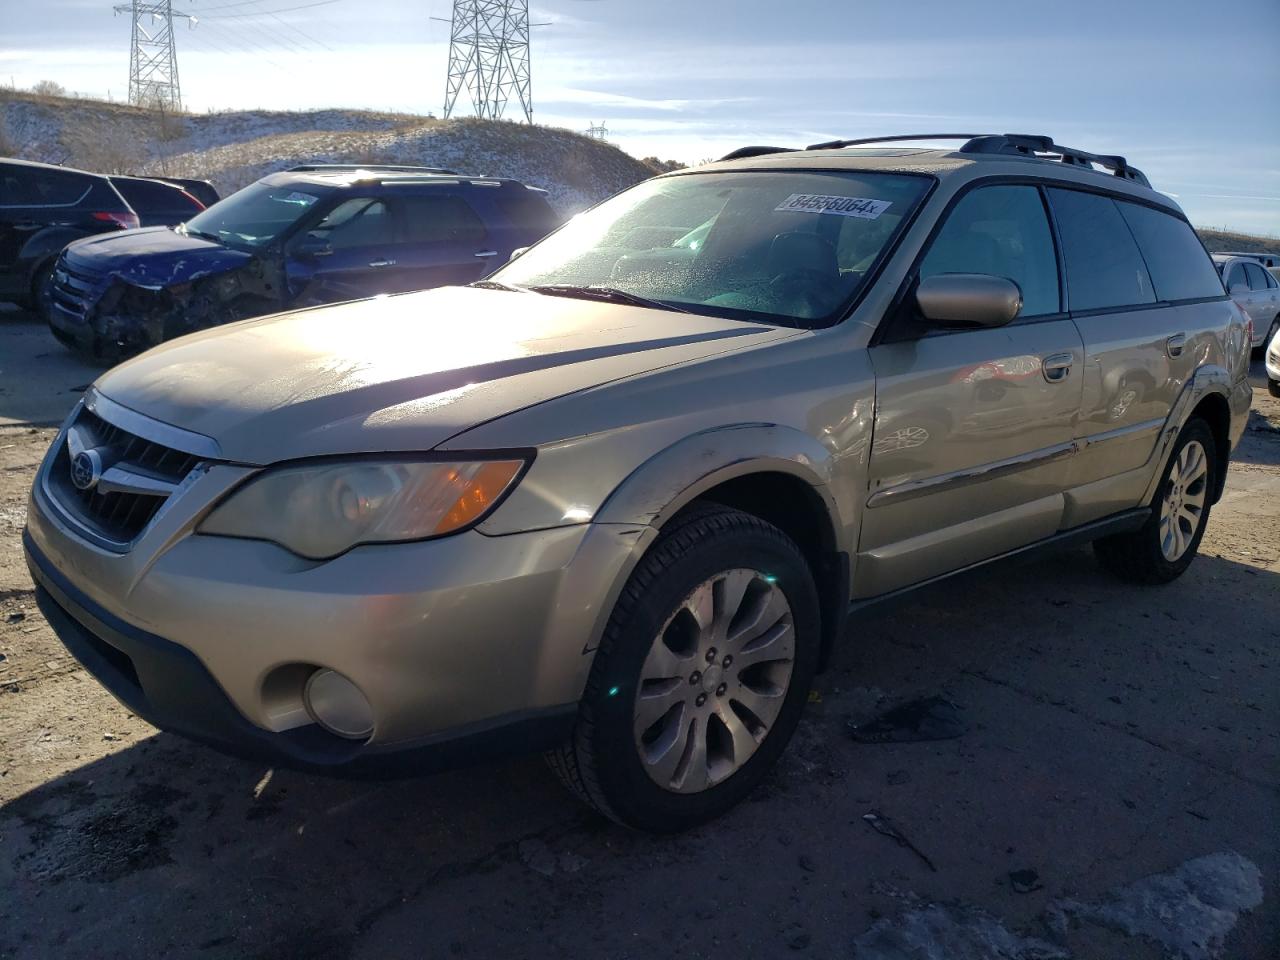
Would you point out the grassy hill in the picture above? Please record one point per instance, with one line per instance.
(1219, 241)
(237, 147)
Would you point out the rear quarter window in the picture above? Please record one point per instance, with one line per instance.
(1104, 266)
(1179, 266)
(144, 195)
(55, 188)
(526, 210)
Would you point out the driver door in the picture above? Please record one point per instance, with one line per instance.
(973, 427)
(348, 254)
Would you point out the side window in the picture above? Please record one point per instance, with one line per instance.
(526, 210)
(53, 188)
(1236, 276)
(1257, 276)
(1180, 268)
(1104, 266)
(15, 187)
(355, 223)
(440, 219)
(1002, 231)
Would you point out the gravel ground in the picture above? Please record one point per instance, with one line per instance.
(1116, 793)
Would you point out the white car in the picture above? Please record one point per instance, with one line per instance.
(1273, 364)
(1255, 290)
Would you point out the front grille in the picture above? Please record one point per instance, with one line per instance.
(116, 516)
(74, 289)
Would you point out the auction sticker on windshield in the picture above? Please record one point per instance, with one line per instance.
(304, 199)
(840, 206)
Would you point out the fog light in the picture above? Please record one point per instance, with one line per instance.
(337, 704)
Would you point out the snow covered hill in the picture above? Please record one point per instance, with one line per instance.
(235, 148)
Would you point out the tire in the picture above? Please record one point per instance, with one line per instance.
(1161, 551)
(40, 280)
(608, 762)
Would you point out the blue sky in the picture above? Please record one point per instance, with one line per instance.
(1189, 91)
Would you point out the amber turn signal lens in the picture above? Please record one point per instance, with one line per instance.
(479, 490)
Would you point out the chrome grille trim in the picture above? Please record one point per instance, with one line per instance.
(142, 476)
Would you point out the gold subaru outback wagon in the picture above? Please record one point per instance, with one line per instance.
(617, 501)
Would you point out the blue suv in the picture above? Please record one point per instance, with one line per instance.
(311, 235)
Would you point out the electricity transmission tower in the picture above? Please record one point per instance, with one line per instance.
(153, 60)
(489, 57)
(600, 132)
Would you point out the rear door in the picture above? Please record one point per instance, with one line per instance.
(442, 240)
(1138, 281)
(973, 427)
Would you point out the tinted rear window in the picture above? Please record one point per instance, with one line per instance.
(15, 186)
(146, 195)
(1257, 276)
(1104, 267)
(526, 210)
(440, 219)
(1180, 269)
(56, 188)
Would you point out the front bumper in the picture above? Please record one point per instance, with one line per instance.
(170, 688)
(464, 646)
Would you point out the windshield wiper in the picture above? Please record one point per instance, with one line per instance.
(200, 234)
(605, 295)
(497, 285)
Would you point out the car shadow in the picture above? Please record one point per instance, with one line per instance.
(240, 859)
(40, 379)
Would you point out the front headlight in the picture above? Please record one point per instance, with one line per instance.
(322, 510)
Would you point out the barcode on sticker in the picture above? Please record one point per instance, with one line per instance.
(840, 206)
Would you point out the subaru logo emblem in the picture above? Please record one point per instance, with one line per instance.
(86, 469)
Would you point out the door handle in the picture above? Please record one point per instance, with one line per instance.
(487, 253)
(1175, 344)
(382, 263)
(1057, 368)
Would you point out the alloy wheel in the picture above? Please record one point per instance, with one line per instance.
(1182, 509)
(714, 681)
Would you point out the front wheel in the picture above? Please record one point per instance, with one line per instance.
(1165, 545)
(701, 675)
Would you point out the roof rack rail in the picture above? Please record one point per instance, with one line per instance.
(743, 153)
(1012, 144)
(371, 167)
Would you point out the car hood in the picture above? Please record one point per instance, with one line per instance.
(153, 257)
(405, 372)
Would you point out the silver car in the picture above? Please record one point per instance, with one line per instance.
(619, 501)
(1253, 287)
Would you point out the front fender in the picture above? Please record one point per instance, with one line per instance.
(671, 479)
(43, 245)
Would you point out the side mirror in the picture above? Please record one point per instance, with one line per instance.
(310, 247)
(517, 252)
(969, 299)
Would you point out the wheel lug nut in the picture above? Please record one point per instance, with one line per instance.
(695, 677)
(711, 655)
(702, 698)
(728, 661)
(721, 689)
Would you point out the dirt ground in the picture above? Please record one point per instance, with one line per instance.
(1116, 793)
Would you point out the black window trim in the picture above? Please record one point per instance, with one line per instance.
(895, 314)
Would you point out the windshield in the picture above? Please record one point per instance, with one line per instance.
(790, 247)
(255, 215)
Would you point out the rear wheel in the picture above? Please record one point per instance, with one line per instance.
(701, 676)
(1166, 544)
(41, 294)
